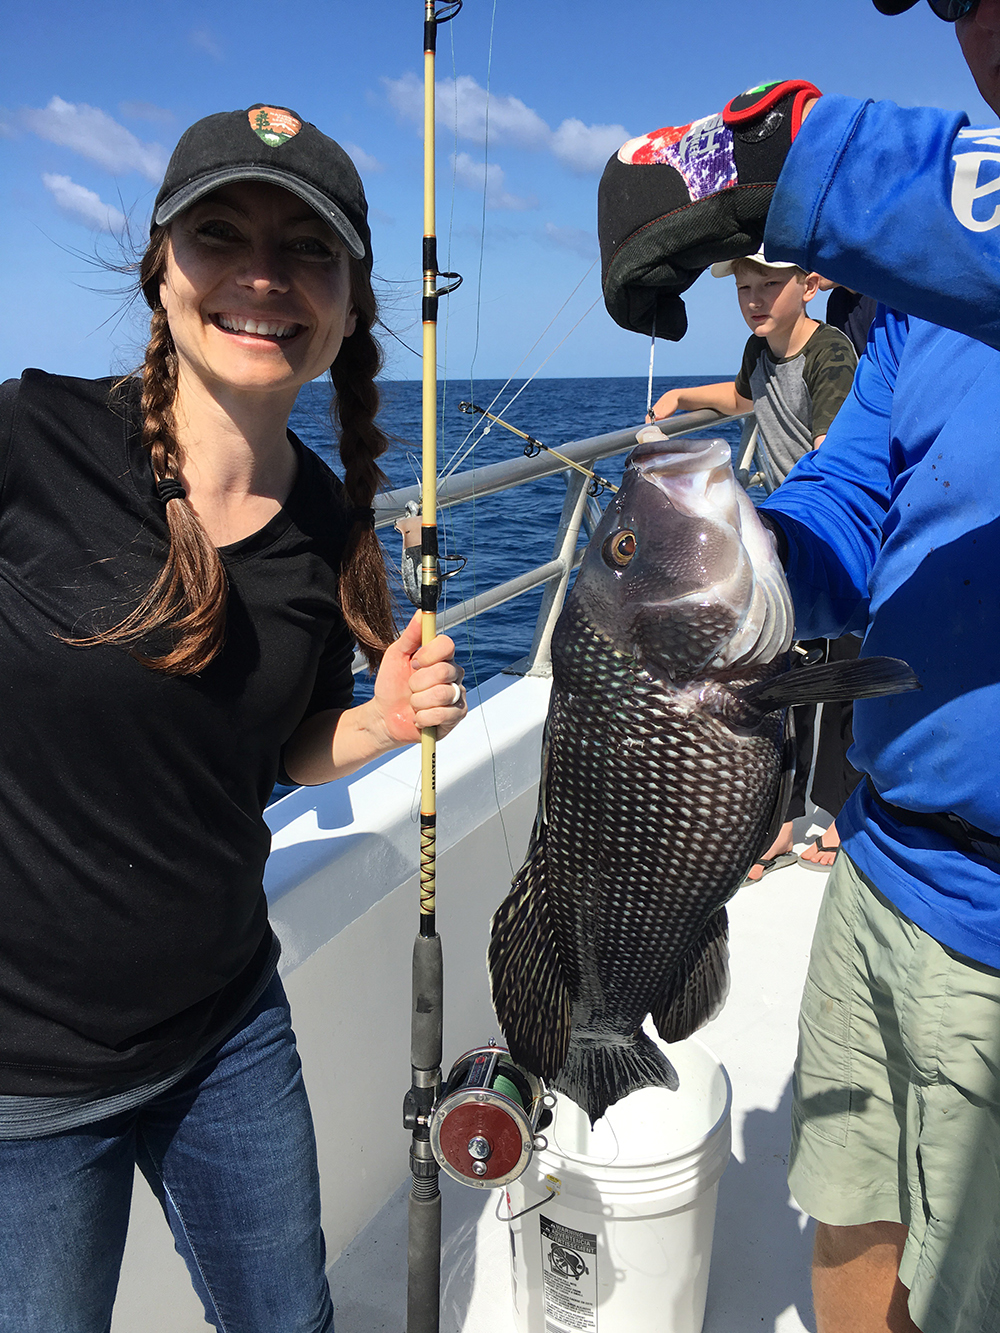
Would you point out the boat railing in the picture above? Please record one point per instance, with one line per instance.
(579, 509)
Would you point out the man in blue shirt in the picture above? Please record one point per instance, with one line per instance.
(891, 529)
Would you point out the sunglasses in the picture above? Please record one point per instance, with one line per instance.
(952, 10)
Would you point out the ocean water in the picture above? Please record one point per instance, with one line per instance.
(500, 536)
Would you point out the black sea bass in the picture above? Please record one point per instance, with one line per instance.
(662, 775)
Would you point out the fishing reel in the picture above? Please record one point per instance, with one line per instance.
(410, 526)
(487, 1121)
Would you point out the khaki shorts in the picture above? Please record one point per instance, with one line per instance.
(896, 1113)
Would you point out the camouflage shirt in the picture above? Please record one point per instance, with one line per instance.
(795, 398)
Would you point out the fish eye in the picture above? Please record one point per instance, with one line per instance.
(620, 547)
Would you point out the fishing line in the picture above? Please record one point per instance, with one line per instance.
(514, 1216)
(486, 430)
(449, 533)
(451, 465)
(552, 353)
(469, 632)
(652, 353)
(486, 180)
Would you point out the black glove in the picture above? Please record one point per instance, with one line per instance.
(676, 200)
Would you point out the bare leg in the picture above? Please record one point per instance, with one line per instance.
(830, 839)
(782, 843)
(855, 1278)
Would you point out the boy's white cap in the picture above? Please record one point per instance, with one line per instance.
(725, 267)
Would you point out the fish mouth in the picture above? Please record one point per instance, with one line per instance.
(696, 476)
(746, 616)
(656, 454)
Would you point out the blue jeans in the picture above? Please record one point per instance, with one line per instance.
(229, 1152)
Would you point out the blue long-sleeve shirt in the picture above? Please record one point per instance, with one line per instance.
(894, 525)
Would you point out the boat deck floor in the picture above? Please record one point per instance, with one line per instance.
(760, 1267)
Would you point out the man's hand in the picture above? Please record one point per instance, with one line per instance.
(676, 200)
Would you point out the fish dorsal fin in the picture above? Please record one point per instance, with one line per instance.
(865, 678)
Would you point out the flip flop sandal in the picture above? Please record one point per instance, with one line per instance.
(820, 846)
(770, 863)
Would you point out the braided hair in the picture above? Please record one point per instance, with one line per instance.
(364, 593)
(188, 598)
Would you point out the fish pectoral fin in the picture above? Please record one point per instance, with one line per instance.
(698, 987)
(864, 678)
(529, 990)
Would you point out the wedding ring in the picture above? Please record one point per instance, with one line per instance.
(458, 694)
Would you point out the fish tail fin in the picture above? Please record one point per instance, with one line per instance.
(595, 1076)
(699, 985)
(529, 991)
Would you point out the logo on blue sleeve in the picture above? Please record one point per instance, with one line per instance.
(977, 179)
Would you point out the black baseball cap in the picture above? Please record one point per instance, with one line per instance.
(274, 144)
(894, 6)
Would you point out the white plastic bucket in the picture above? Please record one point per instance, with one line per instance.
(625, 1245)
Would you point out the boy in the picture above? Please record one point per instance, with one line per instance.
(796, 371)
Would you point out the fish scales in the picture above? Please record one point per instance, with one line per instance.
(639, 836)
(664, 770)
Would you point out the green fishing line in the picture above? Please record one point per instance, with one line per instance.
(507, 1089)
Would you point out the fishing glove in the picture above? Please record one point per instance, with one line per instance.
(678, 199)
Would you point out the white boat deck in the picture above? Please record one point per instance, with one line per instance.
(343, 896)
(760, 1267)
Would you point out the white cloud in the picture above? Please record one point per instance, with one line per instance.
(461, 101)
(202, 40)
(586, 148)
(97, 136)
(364, 162)
(159, 115)
(475, 174)
(83, 205)
(580, 242)
(463, 108)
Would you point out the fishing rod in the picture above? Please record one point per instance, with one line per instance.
(424, 1222)
(533, 447)
(482, 1126)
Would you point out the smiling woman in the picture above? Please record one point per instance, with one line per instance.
(256, 291)
(141, 1019)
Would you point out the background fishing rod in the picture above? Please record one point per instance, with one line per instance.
(534, 447)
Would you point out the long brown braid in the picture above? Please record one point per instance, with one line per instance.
(364, 593)
(188, 598)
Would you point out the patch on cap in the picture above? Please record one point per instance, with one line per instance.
(273, 125)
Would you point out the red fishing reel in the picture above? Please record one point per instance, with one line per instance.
(486, 1123)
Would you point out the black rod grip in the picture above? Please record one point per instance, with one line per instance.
(423, 1259)
(428, 1002)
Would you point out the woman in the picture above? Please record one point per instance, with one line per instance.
(181, 583)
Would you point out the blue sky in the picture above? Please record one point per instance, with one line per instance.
(96, 95)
